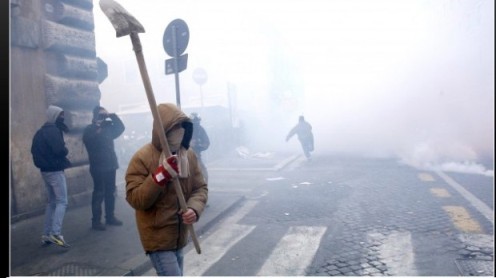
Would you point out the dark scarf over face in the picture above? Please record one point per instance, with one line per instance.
(60, 124)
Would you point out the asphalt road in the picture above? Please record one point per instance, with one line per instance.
(349, 216)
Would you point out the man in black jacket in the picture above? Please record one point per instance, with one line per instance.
(98, 138)
(50, 156)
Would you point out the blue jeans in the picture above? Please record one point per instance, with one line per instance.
(167, 263)
(56, 187)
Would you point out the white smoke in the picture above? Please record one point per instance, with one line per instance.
(411, 79)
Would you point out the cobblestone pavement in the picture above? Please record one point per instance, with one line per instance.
(383, 219)
(376, 217)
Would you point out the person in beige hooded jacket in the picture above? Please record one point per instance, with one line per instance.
(160, 221)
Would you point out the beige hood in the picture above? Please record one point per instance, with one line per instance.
(171, 115)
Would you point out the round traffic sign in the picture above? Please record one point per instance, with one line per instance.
(180, 28)
(200, 76)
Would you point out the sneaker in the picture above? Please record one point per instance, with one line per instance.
(45, 240)
(114, 222)
(59, 240)
(98, 226)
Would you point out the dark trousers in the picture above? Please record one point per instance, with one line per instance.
(103, 190)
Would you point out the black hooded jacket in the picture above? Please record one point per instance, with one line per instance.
(48, 146)
(99, 143)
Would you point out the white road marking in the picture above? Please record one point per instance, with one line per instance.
(218, 243)
(294, 252)
(396, 252)
(478, 204)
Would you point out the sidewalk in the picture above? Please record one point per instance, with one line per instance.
(116, 251)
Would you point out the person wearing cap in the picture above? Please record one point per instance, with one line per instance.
(50, 156)
(162, 223)
(199, 142)
(304, 132)
(98, 138)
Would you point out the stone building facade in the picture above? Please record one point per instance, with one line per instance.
(52, 61)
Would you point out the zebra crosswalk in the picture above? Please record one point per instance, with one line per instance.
(215, 245)
(292, 254)
(419, 237)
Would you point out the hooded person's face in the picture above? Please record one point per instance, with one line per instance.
(60, 119)
(174, 137)
(59, 122)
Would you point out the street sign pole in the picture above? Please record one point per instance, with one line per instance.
(175, 40)
(176, 68)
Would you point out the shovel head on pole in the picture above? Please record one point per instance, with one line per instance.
(124, 23)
